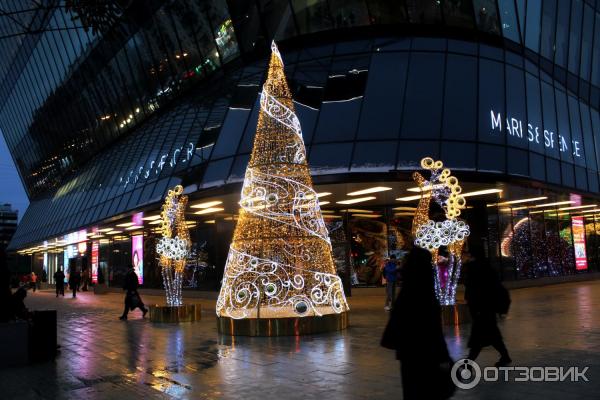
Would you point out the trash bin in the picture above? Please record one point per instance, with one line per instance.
(42, 337)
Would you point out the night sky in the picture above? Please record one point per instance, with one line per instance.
(11, 188)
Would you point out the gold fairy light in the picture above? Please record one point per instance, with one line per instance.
(280, 260)
(451, 233)
(174, 245)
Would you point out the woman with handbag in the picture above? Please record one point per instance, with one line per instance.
(132, 297)
(415, 332)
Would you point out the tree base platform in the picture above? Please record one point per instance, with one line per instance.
(293, 326)
(175, 314)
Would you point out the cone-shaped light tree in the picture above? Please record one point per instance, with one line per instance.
(280, 261)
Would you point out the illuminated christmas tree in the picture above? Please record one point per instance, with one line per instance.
(280, 261)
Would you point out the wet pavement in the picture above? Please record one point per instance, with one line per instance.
(104, 358)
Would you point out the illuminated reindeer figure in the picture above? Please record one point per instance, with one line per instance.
(174, 246)
(451, 233)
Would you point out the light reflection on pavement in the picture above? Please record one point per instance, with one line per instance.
(104, 358)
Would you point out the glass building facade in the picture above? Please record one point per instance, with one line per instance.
(506, 93)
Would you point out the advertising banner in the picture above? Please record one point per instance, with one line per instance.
(137, 256)
(95, 246)
(579, 243)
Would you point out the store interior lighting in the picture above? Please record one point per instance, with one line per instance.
(207, 204)
(518, 201)
(356, 200)
(375, 189)
(209, 210)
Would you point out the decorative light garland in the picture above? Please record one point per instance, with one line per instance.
(444, 189)
(174, 246)
(280, 260)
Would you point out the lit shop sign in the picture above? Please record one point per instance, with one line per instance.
(516, 128)
(156, 166)
(137, 256)
(95, 248)
(75, 237)
(579, 243)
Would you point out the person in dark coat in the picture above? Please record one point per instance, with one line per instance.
(132, 297)
(483, 291)
(74, 281)
(415, 332)
(59, 279)
(390, 272)
(17, 305)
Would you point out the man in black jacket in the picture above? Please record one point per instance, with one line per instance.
(132, 297)
(59, 279)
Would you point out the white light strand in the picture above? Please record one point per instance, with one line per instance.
(276, 279)
(450, 233)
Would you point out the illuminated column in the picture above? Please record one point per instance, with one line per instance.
(280, 261)
(174, 245)
(450, 233)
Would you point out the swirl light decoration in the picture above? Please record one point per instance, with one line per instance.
(451, 233)
(174, 245)
(280, 261)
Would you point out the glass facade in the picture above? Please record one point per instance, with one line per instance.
(102, 125)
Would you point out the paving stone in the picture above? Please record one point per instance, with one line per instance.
(104, 358)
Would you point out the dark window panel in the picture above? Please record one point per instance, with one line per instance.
(547, 41)
(537, 167)
(460, 98)
(424, 11)
(518, 163)
(324, 157)
(486, 16)
(535, 123)
(586, 43)
(516, 111)
(509, 20)
(346, 86)
(422, 115)
(312, 16)
(349, 13)
(575, 35)
(231, 133)
(562, 32)
(459, 155)
(568, 174)
(576, 147)
(387, 12)
(374, 155)
(581, 178)
(491, 158)
(410, 153)
(532, 25)
(384, 95)
(330, 127)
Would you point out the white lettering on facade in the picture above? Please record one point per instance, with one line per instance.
(514, 127)
(145, 173)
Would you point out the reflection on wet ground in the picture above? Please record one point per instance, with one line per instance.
(103, 357)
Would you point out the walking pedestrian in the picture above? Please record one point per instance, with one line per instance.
(390, 273)
(59, 279)
(132, 297)
(485, 297)
(33, 281)
(74, 281)
(415, 332)
(84, 278)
